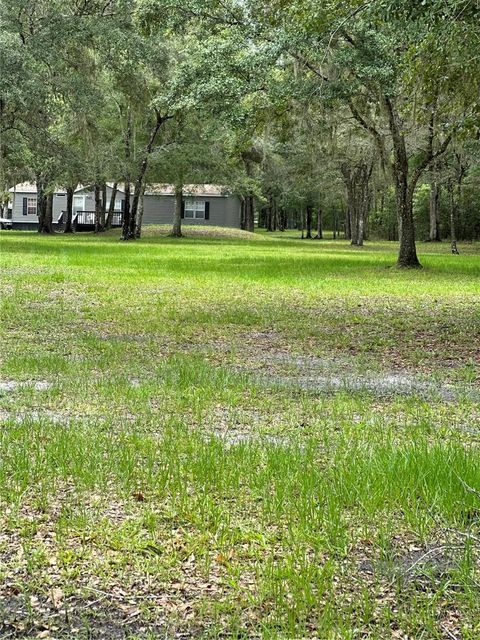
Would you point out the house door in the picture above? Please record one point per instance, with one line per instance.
(78, 209)
(78, 204)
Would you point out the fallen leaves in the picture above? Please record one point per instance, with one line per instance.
(56, 597)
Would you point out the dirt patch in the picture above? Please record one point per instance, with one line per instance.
(13, 385)
(328, 376)
(381, 386)
(232, 438)
(100, 615)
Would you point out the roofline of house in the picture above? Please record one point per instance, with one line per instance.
(148, 192)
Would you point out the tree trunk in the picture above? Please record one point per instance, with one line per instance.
(104, 206)
(302, 223)
(249, 214)
(434, 235)
(404, 190)
(348, 228)
(49, 213)
(453, 218)
(139, 216)
(407, 256)
(352, 210)
(45, 217)
(270, 214)
(98, 208)
(249, 200)
(274, 214)
(41, 204)
(44, 207)
(319, 235)
(69, 211)
(309, 222)
(360, 227)
(405, 184)
(126, 210)
(177, 219)
(111, 206)
(455, 194)
(139, 182)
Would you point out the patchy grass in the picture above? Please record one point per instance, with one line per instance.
(225, 436)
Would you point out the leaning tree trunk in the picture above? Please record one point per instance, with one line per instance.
(434, 235)
(98, 208)
(308, 235)
(177, 217)
(111, 206)
(69, 212)
(139, 182)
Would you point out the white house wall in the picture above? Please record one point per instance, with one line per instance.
(90, 198)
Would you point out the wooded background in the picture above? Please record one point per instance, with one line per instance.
(359, 117)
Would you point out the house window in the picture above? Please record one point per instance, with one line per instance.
(31, 206)
(195, 209)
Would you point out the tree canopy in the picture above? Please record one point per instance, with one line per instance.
(302, 105)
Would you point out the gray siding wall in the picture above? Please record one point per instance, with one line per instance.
(59, 205)
(224, 211)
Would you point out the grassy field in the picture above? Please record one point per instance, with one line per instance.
(228, 437)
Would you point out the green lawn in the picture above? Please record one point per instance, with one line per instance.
(229, 437)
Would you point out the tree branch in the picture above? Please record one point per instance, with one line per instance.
(368, 126)
(430, 157)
